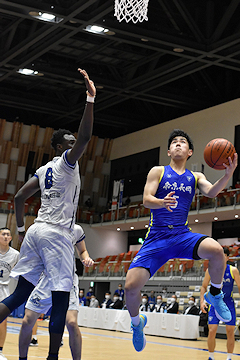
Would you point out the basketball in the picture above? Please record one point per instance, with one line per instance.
(217, 152)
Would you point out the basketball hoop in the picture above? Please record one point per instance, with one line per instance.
(131, 10)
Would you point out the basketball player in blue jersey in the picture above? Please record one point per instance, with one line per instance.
(47, 245)
(231, 274)
(168, 192)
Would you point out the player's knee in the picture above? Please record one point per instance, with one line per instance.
(71, 325)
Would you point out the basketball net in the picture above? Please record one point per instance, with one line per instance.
(131, 10)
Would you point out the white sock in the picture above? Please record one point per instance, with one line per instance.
(211, 355)
(35, 337)
(229, 356)
(218, 286)
(135, 320)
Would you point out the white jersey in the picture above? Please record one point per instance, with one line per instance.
(59, 182)
(7, 262)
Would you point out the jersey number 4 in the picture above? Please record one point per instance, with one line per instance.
(48, 178)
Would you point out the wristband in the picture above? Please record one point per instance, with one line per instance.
(90, 99)
(21, 228)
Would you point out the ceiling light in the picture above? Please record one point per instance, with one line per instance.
(26, 71)
(132, 227)
(99, 87)
(44, 16)
(146, 226)
(196, 220)
(178, 50)
(215, 218)
(99, 30)
(78, 81)
(143, 39)
(118, 229)
(236, 216)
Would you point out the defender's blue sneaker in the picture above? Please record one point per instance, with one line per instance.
(139, 340)
(221, 310)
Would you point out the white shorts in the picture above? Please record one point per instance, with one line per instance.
(47, 248)
(40, 299)
(4, 292)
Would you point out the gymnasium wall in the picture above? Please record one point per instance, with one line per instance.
(202, 126)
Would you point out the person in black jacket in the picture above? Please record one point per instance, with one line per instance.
(160, 305)
(107, 301)
(192, 309)
(173, 307)
(117, 303)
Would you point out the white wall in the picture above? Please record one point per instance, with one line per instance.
(203, 228)
(203, 126)
(102, 242)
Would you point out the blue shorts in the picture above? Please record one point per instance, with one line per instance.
(212, 319)
(162, 244)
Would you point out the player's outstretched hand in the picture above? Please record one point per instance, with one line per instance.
(89, 83)
(169, 201)
(88, 262)
(229, 169)
(203, 307)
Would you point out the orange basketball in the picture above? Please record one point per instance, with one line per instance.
(217, 152)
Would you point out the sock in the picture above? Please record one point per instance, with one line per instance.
(52, 356)
(229, 356)
(1, 348)
(34, 337)
(135, 320)
(211, 355)
(215, 289)
(22, 358)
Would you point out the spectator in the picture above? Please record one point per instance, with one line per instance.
(107, 301)
(117, 303)
(82, 299)
(120, 292)
(94, 303)
(192, 309)
(88, 203)
(127, 201)
(144, 306)
(164, 292)
(160, 305)
(152, 299)
(89, 294)
(173, 307)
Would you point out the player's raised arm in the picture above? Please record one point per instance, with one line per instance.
(86, 124)
(149, 199)
(212, 190)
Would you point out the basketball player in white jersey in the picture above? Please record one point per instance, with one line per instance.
(47, 245)
(40, 301)
(8, 258)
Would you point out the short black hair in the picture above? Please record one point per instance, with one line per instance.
(226, 250)
(192, 297)
(58, 137)
(145, 295)
(4, 228)
(178, 132)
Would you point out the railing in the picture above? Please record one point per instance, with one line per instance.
(227, 198)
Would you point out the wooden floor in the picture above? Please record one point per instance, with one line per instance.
(109, 345)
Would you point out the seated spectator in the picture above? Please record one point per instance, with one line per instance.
(94, 303)
(160, 305)
(117, 303)
(107, 301)
(82, 299)
(120, 292)
(127, 201)
(89, 294)
(144, 306)
(164, 292)
(192, 309)
(152, 299)
(88, 203)
(173, 307)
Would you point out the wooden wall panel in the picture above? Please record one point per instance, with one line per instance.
(7, 152)
(12, 172)
(16, 133)
(2, 127)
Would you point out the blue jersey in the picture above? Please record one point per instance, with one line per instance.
(228, 281)
(184, 186)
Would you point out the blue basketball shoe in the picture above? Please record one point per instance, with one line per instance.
(139, 340)
(221, 310)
